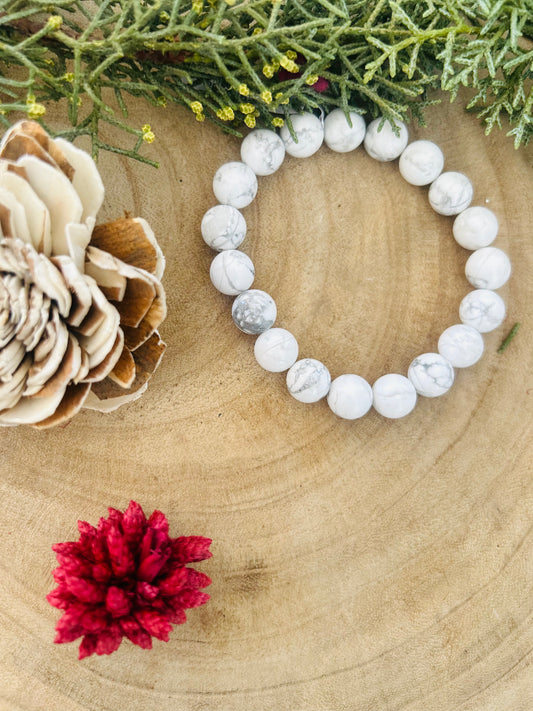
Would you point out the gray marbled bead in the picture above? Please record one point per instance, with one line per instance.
(232, 272)
(235, 184)
(254, 311)
(309, 131)
(482, 309)
(223, 227)
(461, 345)
(263, 151)
(488, 268)
(381, 141)
(308, 380)
(431, 374)
(450, 193)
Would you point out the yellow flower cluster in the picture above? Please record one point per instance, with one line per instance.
(148, 134)
(226, 113)
(198, 110)
(33, 109)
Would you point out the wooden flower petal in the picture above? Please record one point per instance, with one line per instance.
(86, 180)
(132, 241)
(15, 145)
(59, 196)
(134, 337)
(93, 402)
(123, 374)
(29, 410)
(103, 368)
(11, 356)
(78, 237)
(69, 367)
(37, 215)
(78, 287)
(139, 290)
(47, 360)
(11, 388)
(146, 358)
(13, 217)
(32, 129)
(102, 267)
(101, 342)
(73, 400)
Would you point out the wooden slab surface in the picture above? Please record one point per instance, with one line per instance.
(369, 566)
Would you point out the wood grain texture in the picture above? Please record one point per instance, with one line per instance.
(366, 566)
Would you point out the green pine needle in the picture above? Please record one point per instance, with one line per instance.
(250, 62)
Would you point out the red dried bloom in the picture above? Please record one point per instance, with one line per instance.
(126, 578)
(321, 84)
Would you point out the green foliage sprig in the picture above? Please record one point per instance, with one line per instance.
(253, 61)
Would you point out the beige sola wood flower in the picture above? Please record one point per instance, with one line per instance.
(79, 304)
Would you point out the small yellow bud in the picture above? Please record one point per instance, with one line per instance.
(226, 113)
(246, 108)
(54, 22)
(311, 79)
(148, 136)
(257, 31)
(164, 16)
(198, 6)
(243, 90)
(200, 117)
(291, 54)
(289, 65)
(278, 122)
(280, 99)
(69, 76)
(35, 111)
(268, 71)
(266, 96)
(146, 128)
(196, 107)
(162, 100)
(250, 121)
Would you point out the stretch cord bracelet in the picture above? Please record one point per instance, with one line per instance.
(254, 312)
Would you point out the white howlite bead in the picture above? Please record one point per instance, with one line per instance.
(461, 345)
(421, 162)
(394, 395)
(339, 136)
(232, 272)
(223, 227)
(475, 227)
(254, 311)
(263, 151)
(384, 145)
(308, 380)
(450, 193)
(235, 184)
(276, 350)
(309, 131)
(350, 396)
(431, 374)
(488, 268)
(482, 309)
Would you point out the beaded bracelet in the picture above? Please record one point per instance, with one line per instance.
(254, 312)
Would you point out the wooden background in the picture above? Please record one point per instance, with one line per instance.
(373, 565)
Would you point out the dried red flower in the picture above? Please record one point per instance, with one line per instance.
(126, 578)
(321, 84)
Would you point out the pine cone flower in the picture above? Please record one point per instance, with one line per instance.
(79, 304)
(126, 578)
